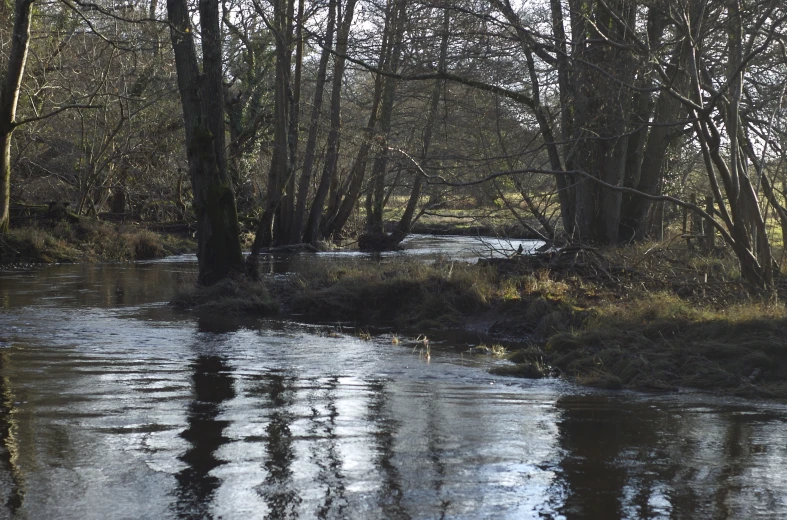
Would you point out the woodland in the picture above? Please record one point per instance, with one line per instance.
(281, 122)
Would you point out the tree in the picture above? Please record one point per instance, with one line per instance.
(9, 97)
(311, 140)
(312, 229)
(218, 242)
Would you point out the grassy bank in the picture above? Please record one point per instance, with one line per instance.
(659, 342)
(651, 319)
(87, 241)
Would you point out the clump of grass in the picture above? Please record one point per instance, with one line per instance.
(425, 350)
(527, 362)
(496, 350)
(228, 297)
(527, 370)
(403, 292)
(146, 245)
(529, 354)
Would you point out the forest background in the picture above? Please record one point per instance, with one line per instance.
(597, 122)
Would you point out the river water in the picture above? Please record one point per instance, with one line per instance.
(113, 406)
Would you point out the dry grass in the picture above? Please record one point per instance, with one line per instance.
(87, 241)
(146, 245)
(661, 341)
(651, 317)
(400, 291)
(234, 297)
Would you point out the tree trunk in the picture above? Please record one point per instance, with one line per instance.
(280, 160)
(311, 233)
(635, 209)
(311, 140)
(218, 243)
(415, 194)
(9, 97)
(738, 204)
(334, 223)
(374, 217)
(601, 122)
(5, 180)
(287, 209)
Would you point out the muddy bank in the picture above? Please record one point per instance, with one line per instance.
(592, 320)
(86, 240)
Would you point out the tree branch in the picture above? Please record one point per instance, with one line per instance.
(53, 113)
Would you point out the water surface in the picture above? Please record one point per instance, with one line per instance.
(114, 406)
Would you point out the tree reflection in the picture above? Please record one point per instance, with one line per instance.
(213, 385)
(14, 480)
(626, 459)
(435, 441)
(326, 456)
(391, 495)
(608, 447)
(277, 489)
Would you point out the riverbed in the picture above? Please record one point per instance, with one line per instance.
(115, 406)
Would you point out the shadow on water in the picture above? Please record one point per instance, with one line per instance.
(623, 461)
(325, 452)
(591, 436)
(278, 489)
(384, 437)
(221, 324)
(11, 478)
(213, 386)
(619, 460)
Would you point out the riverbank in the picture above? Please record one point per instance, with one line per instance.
(651, 319)
(88, 240)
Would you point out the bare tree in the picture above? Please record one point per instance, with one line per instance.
(201, 92)
(9, 97)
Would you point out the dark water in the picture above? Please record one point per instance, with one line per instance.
(113, 406)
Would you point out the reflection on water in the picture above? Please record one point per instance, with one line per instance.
(11, 480)
(196, 486)
(324, 453)
(386, 429)
(675, 461)
(593, 433)
(113, 406)
(278, 489)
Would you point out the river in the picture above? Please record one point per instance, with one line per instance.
(114, 406)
